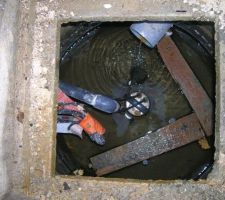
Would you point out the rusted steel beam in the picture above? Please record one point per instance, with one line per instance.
(188, 82)
(177, 134)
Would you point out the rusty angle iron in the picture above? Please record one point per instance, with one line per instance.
(172, 136)
(190, 85)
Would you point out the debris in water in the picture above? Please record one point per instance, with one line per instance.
(204, 143)
(78, 172)
(90, 165)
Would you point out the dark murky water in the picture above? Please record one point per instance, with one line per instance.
(102, 65)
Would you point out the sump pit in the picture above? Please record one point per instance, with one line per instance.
(99, 57)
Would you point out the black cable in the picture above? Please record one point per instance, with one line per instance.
(72, 45)
(188, 32)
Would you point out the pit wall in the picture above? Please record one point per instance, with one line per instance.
(29, 74)
(8, 29)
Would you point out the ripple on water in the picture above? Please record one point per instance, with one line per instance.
(102, 65)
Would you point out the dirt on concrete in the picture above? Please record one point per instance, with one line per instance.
(29, 74)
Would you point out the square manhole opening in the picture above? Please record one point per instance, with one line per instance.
(136, 100)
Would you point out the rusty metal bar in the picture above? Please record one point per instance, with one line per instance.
(177, 134)
(188, 82)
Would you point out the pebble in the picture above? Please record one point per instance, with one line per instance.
(172, 120)
(78, 172)
(145, 162)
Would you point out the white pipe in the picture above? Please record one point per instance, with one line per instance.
(150, 33)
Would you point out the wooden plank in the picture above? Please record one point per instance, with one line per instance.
(177, 134)
(188, 82)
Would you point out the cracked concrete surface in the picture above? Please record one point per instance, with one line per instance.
(29, 70)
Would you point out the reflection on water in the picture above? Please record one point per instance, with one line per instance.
(102, 65)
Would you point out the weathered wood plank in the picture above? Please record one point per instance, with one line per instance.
(177, 134)
(188, 82)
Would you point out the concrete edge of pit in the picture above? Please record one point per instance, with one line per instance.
(38, 124)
